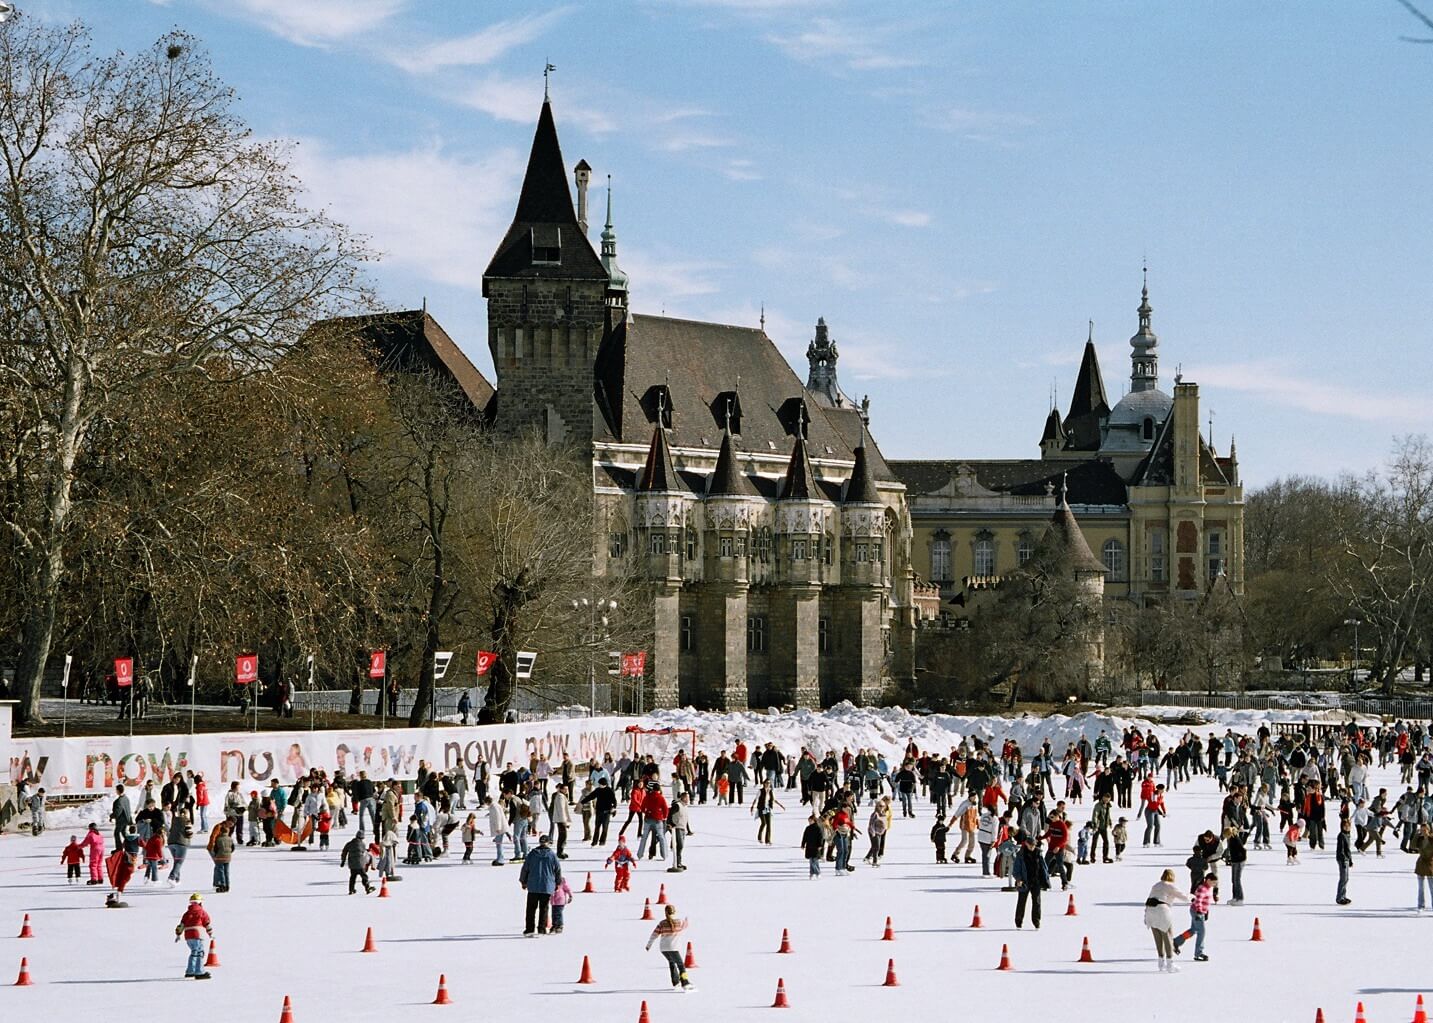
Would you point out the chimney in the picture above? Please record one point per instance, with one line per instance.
(583, 174)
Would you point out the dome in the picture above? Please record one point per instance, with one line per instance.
(1134, 407)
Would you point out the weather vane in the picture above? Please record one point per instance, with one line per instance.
(546, 71)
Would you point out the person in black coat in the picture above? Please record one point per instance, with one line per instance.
(1032, 878)
(813, 844)
(604, 804)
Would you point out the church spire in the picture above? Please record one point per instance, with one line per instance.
(659, 475)
(616, 279)
(1144, 360)
(821, 355)
(1089, 407)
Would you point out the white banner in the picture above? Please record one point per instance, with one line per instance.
(97, 763)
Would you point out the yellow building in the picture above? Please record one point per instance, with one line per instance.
(1157, 505)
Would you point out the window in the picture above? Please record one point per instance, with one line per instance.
(657, 543)
(1147, 429)
(1113, 555)
(691, 545)
(940, 559)
(823, 635)
(863, 552)
(1215, 544)
(756, 634)
(616, 545)
(798, 550)
(1156, 555)
(741, 545)
(727, 546)
(828, 549)
(688, 636)
(763, 543)
(876, 550)
(1024, 549)
(984, 557)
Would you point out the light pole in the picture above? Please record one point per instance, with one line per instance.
(312, 695)
(595, 609)
(1355, 623)
(193, 665)
(64, 691)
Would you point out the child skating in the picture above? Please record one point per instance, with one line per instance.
(665, 934)
(625, 863)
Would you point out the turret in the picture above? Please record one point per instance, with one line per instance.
(863, 527)
(1089, 408)
(617, 303)
(728, 511)
(1144, 359)
(661, 511)
(803, 521)
(1052, 441)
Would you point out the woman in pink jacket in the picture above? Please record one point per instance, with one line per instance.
(94, 843)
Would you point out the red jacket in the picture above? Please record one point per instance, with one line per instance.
(1058, 835)
(154, 847)
(195, 921)
(639, 798)
(655, 805)
(72, 856)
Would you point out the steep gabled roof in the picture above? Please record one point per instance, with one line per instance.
(861, 489)
(1088, 405)
(727, 479)
(659, 475)
(1156, 469)
(799, 484)
(545, 219)
(1054, 429)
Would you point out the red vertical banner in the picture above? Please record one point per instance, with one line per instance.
(246, 669)
(635, 664)
(485, 661)
(377, 664)
(124, 672)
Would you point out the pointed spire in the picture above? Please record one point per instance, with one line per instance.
(1144, 360)
(1066, 540)
(616, 279)
(727, 478)
(1089, 406)
(1233, 462)
(659, 475)
(861, 488)
(545, 198)
(1054, 430)
(799, 484)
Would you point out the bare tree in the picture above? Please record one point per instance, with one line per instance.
(149, 237)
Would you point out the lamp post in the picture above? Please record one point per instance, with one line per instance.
(312, 695)
(1355, 623)
(595, 609)
(64, 691)
(193, 664)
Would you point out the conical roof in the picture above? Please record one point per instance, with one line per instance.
(659, 475)
(727, 479)
(861, 489)
(1066, 538)
(799, 484)
(1054, 429)
(1088, 405)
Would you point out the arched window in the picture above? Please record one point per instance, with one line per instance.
(984, 556)
(691, 544)
(940, 559)
(1114, 558)
(1147, 430)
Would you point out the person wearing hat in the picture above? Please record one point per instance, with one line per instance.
(193, 926)
(540, 875)
(357, 858)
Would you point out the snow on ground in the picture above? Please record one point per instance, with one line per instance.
(289, 928)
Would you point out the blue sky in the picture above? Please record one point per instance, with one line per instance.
(956, 188)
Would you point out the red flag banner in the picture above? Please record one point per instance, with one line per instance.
(634, 664)
(246, 669)
(124, 672)
(485, 661)
(377, 664)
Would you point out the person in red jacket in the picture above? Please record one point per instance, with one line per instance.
(153, 855)
(192, 927)
(634, 809)
(72, 857)
(1057, 834)
(654, 823)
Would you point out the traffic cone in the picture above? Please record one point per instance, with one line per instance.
(287, 1016)
(1258, 935)
(785, 941)
(690, 962)
(442, 998)
(890, 934)
(588, 889)
(647, 910)
(1318, 1015)
(642, 1016)
(781, 1002)
(891, 974)
(1070, 909)
(1005, 958)
(662, 895)
(24, 978)
(25, 931)
(368, 945)
(213, 959)
(975, 920)
(383, 888)
(586, 977)
(1358, 1016)
(1419, 1016)
(1085, 956)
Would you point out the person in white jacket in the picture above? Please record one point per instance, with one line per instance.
(1156, 917)
(498, 828)
(559, 816)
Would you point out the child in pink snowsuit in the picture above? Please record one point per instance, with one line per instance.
(94, 842)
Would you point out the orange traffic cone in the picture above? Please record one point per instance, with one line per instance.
(1358, 1016)
(1005, 958)
(588, 889)
(1419, 1016)
(662, 895)
(25, 931)
(213, 959)
(647, 910)
(287, 1016)
(975, 920)
(442, 998)
(890, 934)
(1258, 934)
(690, 962)
(781, 1002)
(891, 974)
(586, 977)
(1085, 956)
(383, 888)
(785, 941)
(643, 1017)
(368, 945)
(1070, 909)
(1318, 1016)
(24, 978)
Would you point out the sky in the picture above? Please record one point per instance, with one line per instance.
(957, 188)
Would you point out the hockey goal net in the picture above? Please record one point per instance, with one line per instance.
(663, 744)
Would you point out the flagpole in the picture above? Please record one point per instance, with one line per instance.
(193, 664)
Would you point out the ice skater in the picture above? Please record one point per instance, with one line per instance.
(625, 863)
(1156, 917)
(93, 843)
(665, 934)
(192, 927)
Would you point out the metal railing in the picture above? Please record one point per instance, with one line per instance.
(1407, 709)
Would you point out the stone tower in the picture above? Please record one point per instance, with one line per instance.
(547, 304)
(662, 506)
(731, 510)
(804, 546)
(859, 619)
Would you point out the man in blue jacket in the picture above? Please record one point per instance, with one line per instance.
(539, 877)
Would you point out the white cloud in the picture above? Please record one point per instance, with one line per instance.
(478, 48)
(738, 169)
(908, 218)
(423, 209)
(979, 125)
(517, 101)
(858, 46)
(661, 282)
(1280, 384)
(314, 22)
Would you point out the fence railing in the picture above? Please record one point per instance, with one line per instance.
(1407, 709)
